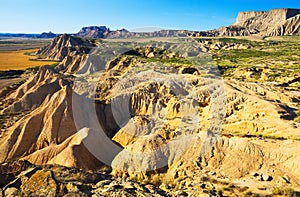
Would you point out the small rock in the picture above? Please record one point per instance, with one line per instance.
(150, 55)
(10, 192)
(181, 193)
(203, 186)
(266, 177)
(262, 188)
(255, 174)
(139, 187)
(212, 193)
(114, 185)
(164, 187)
(128, 185)
(285, 179)
(150, 187)
(258, 178)
(103, 183)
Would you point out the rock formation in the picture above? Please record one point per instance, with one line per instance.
(158, 119)
(64, 45)
(93, 32)
(277, 22)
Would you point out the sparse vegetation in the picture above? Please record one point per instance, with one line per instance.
(53, 65)
(229, 40)
(181, 61)
(270, 60)
(30, 53)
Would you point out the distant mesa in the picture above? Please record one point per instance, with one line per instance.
(104, 32)
(93, 32)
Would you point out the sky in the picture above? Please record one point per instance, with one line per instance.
(68, 16)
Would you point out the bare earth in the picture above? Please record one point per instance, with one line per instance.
(7, 82)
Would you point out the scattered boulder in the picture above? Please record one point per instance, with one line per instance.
(254, 174)
(265, 177)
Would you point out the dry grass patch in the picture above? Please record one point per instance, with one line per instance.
(17, 60)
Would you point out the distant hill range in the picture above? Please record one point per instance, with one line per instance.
(22, 35)
(276, 22)
(104, 32)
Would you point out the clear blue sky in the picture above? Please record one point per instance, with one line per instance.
(66, 16)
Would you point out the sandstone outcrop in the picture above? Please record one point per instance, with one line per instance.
(277, 22)
(64, 45)
(35, 90)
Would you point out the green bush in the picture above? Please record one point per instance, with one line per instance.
(54, 65)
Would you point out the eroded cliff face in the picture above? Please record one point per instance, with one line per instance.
(156, 126)
(277, 22)
(64, 45)
(244, 16)
(275, 16)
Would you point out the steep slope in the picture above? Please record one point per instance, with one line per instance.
(290, 27)
(64, 45)
(277, 22)
(35, 90)
(71, 152)
(50, 123)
